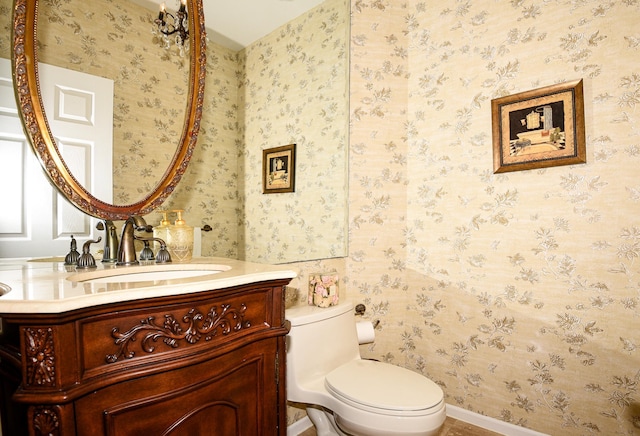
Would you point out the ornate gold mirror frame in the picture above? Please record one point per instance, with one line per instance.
(27, 88)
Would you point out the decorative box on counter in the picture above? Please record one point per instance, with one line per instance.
(323, 289)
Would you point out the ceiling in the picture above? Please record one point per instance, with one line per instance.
(238, 23)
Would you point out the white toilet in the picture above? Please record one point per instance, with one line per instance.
(346, 394)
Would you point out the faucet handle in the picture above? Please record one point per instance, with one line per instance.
(73, 255)
(147, 252)
(86, 259)
(110, 252)
(163, 255)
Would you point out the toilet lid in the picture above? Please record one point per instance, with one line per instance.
(383, 386)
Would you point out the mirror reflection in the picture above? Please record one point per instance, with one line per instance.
(290, 86)
(114, 40)
(295, 91)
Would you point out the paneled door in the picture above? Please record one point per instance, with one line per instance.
(36, 221)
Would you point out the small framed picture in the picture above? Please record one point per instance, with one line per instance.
(539, 128)
(278, 169)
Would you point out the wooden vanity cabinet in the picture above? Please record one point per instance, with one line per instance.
(207, 363)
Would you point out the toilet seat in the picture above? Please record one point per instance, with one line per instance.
(384, 388)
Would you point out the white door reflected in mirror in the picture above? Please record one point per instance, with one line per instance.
(37, 220)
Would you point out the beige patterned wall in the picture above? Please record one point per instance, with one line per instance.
(5, 26)
(518, 293)
(294, 91)
(210, 189)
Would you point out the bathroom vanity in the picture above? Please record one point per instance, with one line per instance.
(190, 349)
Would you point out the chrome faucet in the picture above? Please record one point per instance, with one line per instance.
(127, 249)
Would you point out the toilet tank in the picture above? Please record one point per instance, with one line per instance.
(320, 340)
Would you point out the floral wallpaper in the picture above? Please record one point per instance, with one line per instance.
(293, 90)
(6, 24)
(518, 293)
(209, 192)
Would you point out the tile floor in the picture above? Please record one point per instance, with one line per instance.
(455, 427)
(452, 427)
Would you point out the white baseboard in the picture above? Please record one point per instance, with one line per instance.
(489, 423)
(455, 412)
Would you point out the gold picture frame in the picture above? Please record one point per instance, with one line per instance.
(278, 169)
(539, 128)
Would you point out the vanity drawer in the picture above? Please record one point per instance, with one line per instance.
(134, 340)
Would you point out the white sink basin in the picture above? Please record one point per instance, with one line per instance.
(150, 273)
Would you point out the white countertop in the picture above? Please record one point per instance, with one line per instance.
(36, 286)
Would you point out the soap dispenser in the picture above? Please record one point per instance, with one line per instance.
(180, 239)
(160, 231)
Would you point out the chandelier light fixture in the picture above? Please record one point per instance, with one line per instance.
(168, 25)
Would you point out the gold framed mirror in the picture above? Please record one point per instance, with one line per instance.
(37, 128)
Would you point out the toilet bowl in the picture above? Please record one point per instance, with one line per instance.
(346, 394)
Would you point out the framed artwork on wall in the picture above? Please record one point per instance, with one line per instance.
(278, 169)
(539, 128)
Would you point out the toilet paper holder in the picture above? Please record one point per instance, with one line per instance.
(361, 309)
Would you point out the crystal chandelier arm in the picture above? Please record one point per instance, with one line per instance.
(168, 24)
